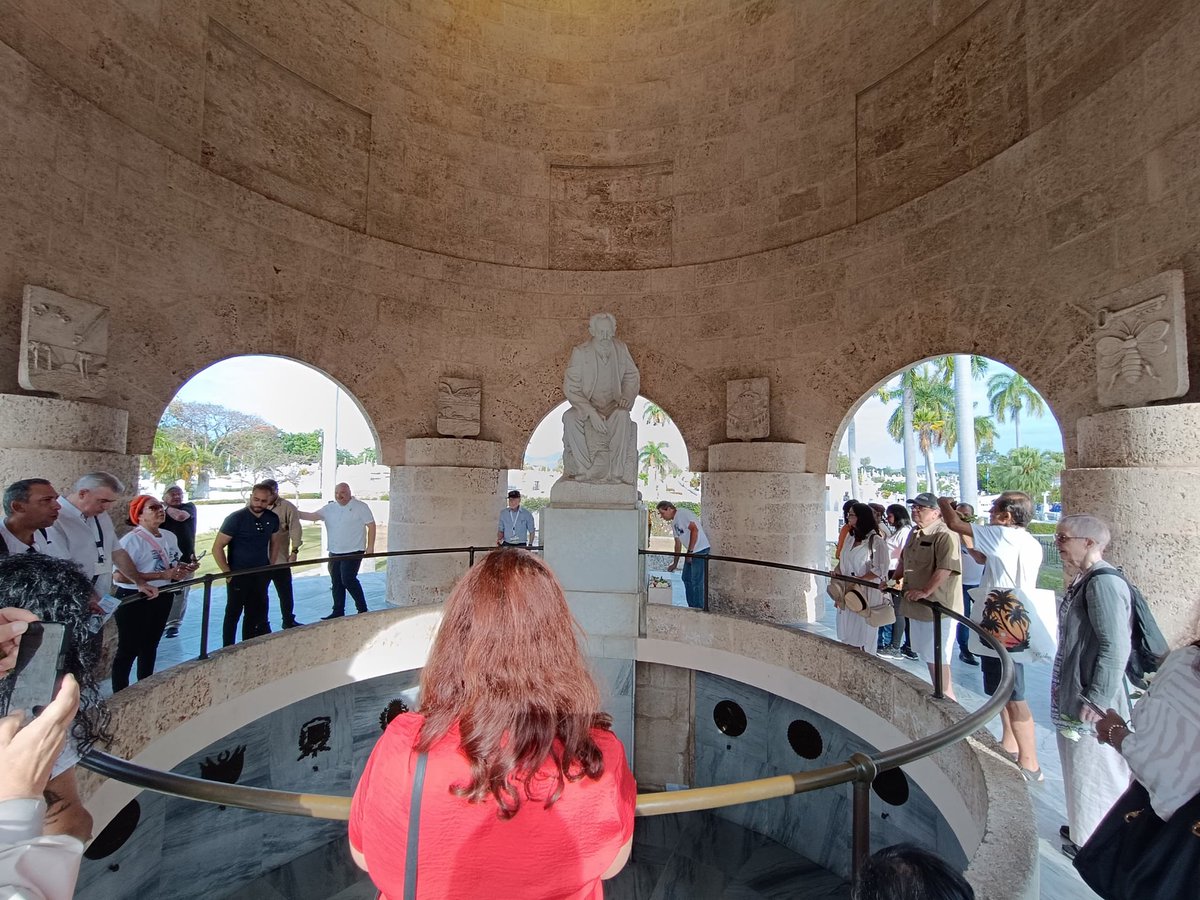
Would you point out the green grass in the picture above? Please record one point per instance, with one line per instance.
(1051, 578)
(310, 549)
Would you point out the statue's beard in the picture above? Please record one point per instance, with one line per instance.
(604, 347)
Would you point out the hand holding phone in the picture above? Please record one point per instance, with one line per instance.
(40, 660)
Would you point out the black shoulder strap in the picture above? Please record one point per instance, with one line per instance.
(414, 829)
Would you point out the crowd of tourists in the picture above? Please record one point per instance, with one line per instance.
(937, 551)
(510, 752)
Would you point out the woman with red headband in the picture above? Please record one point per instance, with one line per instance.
(141, 621)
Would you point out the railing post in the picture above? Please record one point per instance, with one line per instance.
(471, 560)
(937, 653)
(208, 581)
(861, 812)
(705, 573)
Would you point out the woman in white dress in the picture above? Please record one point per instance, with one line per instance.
(864, 555)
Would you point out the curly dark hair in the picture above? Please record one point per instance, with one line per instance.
(56, 591)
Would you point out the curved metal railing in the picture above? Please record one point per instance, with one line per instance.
(860, 769)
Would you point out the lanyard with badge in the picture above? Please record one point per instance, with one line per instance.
(514, 515)
(100, 559)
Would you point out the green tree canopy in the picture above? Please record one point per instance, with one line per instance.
(653, 457)
(653, 414)
(303, 445)
(1011, 395)
(1027, 469)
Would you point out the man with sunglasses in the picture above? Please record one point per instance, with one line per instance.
(253, 538)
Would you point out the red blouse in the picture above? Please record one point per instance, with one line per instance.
(465, 849)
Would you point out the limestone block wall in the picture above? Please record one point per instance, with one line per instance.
(60, 440)
(108, 196)
(759, 503)
(1139, 469)
(452, 498)
(663, 724)
(852, 700)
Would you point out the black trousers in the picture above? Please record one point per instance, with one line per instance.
(140, 625)
(245, 598)
(343, 573)
(282, 579)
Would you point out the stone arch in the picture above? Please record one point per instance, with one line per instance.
(839, 433)
(144, 417)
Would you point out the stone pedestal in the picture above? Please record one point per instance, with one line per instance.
(59, 440)
(591, 535)
(760, 503)
(449, 494)
(1139, 470)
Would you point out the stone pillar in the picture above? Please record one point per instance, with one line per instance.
(591, 535)
(1139, 469)
(760, 503)
(59, 440)
(449, 494)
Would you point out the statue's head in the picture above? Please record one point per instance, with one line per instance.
(602, 326)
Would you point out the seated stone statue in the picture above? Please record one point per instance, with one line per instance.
(599, 437)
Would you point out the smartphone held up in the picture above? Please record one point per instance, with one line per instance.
(40, 662)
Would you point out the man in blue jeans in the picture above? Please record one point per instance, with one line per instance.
(345, 520)
(688, 533)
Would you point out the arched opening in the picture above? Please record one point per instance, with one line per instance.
(247, 419)
(663, 474)
(663, 460)
(250, 417)
(1013, 442)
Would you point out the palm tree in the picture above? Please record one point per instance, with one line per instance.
(965, 370)
(653, 457)
(929, 423)
(903, 432)
(984, 437)
(852, 453)
(654, 414)
(933, 407)
(1011, 395)
(1027, 469)
(171, 460)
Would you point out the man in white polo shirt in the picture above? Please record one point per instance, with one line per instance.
(346, 521)
(688, 534)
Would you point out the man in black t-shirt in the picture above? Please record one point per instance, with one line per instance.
(254, 538)
(181, 522)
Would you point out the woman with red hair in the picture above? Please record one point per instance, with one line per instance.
(509, 782)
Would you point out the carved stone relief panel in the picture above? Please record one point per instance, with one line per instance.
(747, 409)
(458, 407)
(1141, 343)
(64, 345)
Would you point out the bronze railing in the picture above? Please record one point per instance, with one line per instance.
(859, 770)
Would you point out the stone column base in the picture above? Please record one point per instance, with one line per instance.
(449, 495)
(594, 552)
(59, 440)
(1139, 470)
(759, 503)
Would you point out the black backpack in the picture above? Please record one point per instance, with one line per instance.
(1149, 647)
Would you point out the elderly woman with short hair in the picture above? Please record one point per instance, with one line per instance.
(1094, 640)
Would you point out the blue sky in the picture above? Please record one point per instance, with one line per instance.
(875, 444)
(288, 394)
(294, 397)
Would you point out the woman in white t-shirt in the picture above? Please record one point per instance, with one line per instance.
(140, 620)
(864, 555)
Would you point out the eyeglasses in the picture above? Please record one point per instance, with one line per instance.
(1063, 538)
(154, 506)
